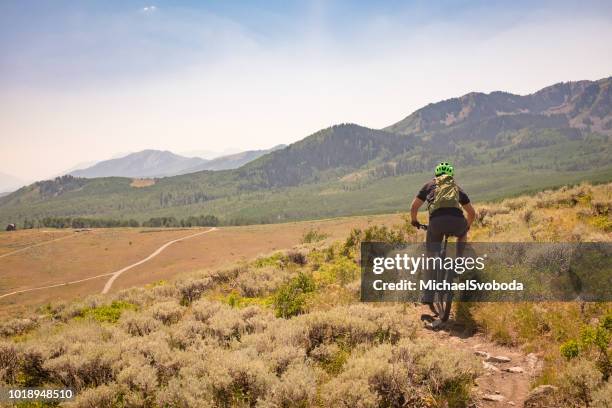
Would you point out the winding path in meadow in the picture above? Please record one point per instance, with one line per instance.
(57, 285)
(159, 250)
(113, 275)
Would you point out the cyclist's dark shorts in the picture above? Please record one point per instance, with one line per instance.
(446, 225)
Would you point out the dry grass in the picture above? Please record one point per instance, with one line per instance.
(19, 240)
(212, 354)
(83, 255)
(100, 251)
(214, 337)
(178, 344)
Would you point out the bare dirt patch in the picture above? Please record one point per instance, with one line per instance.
(140, 183)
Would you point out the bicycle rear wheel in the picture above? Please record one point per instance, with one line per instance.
(443, 300)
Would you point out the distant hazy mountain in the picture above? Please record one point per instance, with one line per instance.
(147, 163)
(156, 163)
(10, 183)
(209, 154)
(78, 166)
(233, 161)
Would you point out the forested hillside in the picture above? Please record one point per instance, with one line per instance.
(502, 144)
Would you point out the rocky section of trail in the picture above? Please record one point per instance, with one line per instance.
(507, 372)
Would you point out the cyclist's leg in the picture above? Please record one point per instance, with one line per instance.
(433, 244)
(462, 228)
(435, 234)
(451, 225)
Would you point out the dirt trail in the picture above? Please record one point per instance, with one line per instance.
(498, 386)
(113, 275)
(159, 250)
(57, 285)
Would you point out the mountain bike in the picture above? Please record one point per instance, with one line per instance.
(443, 299)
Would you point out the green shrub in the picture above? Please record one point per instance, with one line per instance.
(80, 222)
(107, 313)
(157, 222)
(303, 282)
(570, 349)
(277, 259)
(375, 233)
(340, 270)
(289, 302)
(607, 322)
(291, 297)
(238, 301)
(594, 344)
(331, 357)
(201, 221)
(352, 242)
(313, 236)
(384, 234)
(595, 336)
(602, 222)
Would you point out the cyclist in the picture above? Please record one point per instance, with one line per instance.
(445, 202)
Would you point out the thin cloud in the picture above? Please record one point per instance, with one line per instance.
(149, 9)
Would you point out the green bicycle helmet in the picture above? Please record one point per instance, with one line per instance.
(444, 168)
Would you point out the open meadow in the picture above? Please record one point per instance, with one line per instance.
(46, 257)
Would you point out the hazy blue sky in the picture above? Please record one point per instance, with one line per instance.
(82, 81)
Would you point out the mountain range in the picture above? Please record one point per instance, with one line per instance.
(502, 144)
(583, 105)
(157, 163)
